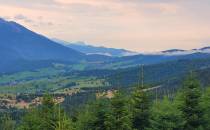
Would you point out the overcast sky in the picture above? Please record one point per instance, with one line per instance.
(140, 25)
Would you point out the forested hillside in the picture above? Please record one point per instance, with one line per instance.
(164, 73)
(188, 109)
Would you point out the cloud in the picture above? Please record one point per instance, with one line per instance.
(162, 8)
(6, 17)
(90, 2)
(50, 24)
(38, 22)
(141, 25)
(22, 18)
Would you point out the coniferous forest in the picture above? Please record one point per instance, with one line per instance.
(187, 109)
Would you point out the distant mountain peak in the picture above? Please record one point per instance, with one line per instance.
(12, 27)
(3, 21)
(28, 45)
(98, 50)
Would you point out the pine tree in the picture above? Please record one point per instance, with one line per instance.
(140, 103)
(192, 111)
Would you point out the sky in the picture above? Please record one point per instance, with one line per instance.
(138, 25)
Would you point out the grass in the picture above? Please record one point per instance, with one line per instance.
(29, 75)
(50, 79)
(53, 84)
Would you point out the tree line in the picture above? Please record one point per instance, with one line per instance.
(188, 110)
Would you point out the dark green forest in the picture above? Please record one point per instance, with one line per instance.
(186, 109)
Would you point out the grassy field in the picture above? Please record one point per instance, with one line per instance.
(51, 83)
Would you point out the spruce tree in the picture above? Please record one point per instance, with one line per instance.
(165, 115)
(192, 111)
(85, 119)
(6, 123)
(31, 121)
(48, 116)
(206, 107)
(140, 103)
(63, 122)
(120, 113)
(102, 118)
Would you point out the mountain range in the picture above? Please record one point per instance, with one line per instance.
(91, 50)
(21, 48)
